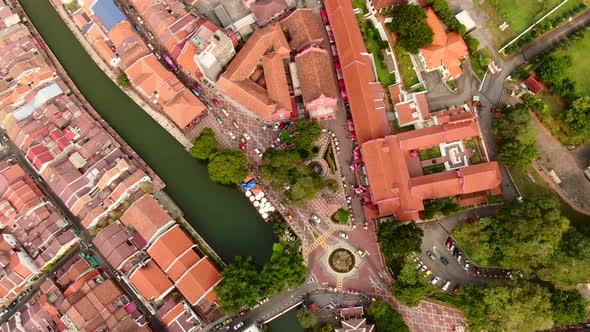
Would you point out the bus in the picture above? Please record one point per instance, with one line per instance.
(170, 62)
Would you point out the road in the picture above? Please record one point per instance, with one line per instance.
(85, 238)
(434, 240)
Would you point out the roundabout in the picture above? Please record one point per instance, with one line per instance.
(341, 260)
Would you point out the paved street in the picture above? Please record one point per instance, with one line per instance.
(434, 240)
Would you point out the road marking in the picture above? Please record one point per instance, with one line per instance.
(339, 282)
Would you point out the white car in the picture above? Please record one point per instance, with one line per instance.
(151, 47)
(434, 280)
(276, 127)
(246, 136)
(231, 135)
(139, 20)
(225, 112)
(343, 235)
(238, 325)
(258, 152)
(459, 256)
(218, 119)
(316, 218)
(424, 268)
(446, 285)
(235, 124)
(467, 264)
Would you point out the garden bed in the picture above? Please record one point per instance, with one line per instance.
(434, 169)
(375, 45)
(329, 158)
(406, 68)
(430, 153)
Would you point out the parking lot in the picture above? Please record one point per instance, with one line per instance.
(436, 236)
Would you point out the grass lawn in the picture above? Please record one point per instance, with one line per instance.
(519, 14)
(375, 45)
(553, 122)
(528, 187)
(406, 68)
(579, 71)
(433, 152)
(434, 169)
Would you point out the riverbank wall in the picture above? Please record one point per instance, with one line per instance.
(161, 119)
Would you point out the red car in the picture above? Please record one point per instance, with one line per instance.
(324, 14)
(471, 219)
(456, 289)
(242, 146)
(449, 242)
(476, 271)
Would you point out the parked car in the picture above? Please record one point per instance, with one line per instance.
(158, 56)
(467, 263)
(151, 35)
(288, 124)
(343, 235)
(225, 112)
(459, 257)
(218, 119)
(316, 218)
(431, 255)
(238, 325)
(424, 268)
(258, 152)
(434, 280)
(151, 47)
(448, 243)
(231, 135)
(361, 252)
(246, 136)
(471, 219)
(445, 287)
(444, 260)
(235, 124)
(456, 289)
(476, 271)
(452, 247)
(242, 146)
(139, 20)
(276, 126)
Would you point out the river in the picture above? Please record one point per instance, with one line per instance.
(222, 215)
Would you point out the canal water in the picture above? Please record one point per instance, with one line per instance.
(286, 323)
(222, 215)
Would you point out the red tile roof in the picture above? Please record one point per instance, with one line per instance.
(184, 109)
(236, 82)
(533, 84)
(147, 217)
(380, 4)
(304, 27)
(113, 243)
(199, 281)
(314, 69)
(265, 10)
(447, 49)
(151, 281)
(170, 247)
(364, 92)
(391, 186)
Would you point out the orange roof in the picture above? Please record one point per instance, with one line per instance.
(169, 247)
(276, 80)
(151, 281)
(186, 59)
(314, 69)
(18, 266)
(236, 83)
(199, 281)
(184, 108)
(80, 20)
(413, 110)
(104, 50)
(364, 93)
(395, 91)
(95, 33)
(446, 49)
(147, 217)
(154, 81)
(171, 315)
(391, 186)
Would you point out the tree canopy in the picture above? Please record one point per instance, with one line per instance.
(386, 318)
(286, 169)
(398, 240)
(569, 307)
(307, 318)
(522, 307)
(436, 208)
(244, 282)
(228, 166)
(308, 131)
(516, 136)
(409, 25)
(204, 145)
(553, 71)
(123, 81)
(411, 285)
(578, 116)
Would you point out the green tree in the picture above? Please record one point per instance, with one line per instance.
(439, 207)
(522, 307)
(570, 265)
(569, 307)
(409, 25)
(398, 240)
(516, 136)
(228, 166)
(123, 81)
(240, 285)
(326, 328)
(386, 318)
(578, 116)
(307, 318)
(285, 137)
(410, 285)
(308, 131)
(204, 145)
(285, 268)
(476, 240)
(553, 69)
